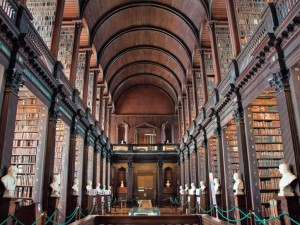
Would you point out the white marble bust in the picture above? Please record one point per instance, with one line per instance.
(9, 182)
(193, 189)
(217, 186)
(181, 190)
(168, 184)
(202, 187)
(103, 189)
(186, 188)
(55, 186)
(89, 188)
(75, 187)
(98, 189)
(238, 185)
(287, 178)
(122, 183)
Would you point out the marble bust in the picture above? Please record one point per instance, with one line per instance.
(98, 190)
(168, 184)
(89, 187)
(202, 187)
(75, 187)
(238, 185)
(186, 188)
(217, 186)
(9, 182)
(55, 186)
(181, 190)
(193, 189)
(287, 178)
(122, 183)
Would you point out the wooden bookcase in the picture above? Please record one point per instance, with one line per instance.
(199, 91)
(97, 105)
(90, 163)
(213, 158)
(248, 14)
(267, 149)
(43, 12)
(231, 155)
(210, 73)
(224, 48)
(28, 146)
(79, 160)
(80, 73)
(66, 47)
(90, 91)
(62, 141)
(201, 164)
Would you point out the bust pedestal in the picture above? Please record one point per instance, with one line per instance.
(240, 202)
(107, 204)
(289, 205)
(52, 205)
(183, 199)
(203, 203)
(7, 206)
(89, 204)
(100, 201)
(74, 204)
(192, 209)
(219, 203)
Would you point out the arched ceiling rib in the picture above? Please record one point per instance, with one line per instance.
(140, 68)
(145, 54)
(145, 79)
(151, 63)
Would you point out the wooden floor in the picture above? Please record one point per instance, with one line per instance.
(163, 211)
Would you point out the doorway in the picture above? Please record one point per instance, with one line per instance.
(145, 186)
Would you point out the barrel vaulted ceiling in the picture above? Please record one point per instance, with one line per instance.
(147, 42)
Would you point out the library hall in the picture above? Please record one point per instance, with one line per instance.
(166, 112)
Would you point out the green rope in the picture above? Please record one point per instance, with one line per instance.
(38, 218)
(4, 221)
(290, 218)
(11, 216)
(206, 211)
(74, 213)
(232, 220)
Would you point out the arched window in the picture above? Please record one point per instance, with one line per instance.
(122, 133)
(166, 133)
(122, 177)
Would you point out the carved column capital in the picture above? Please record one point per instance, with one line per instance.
(211, 26)
(238, 115)
(280, 81)
(14, 80)
(79, 26)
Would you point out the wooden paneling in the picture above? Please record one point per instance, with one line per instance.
(219, 10)
(71, 10)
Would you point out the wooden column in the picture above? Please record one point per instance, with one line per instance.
(104, 168)
(160, 182)
(105, 104)
(75, 52)
(50, 152)
(95, 165)
(86, 76)
(206, 174)
(109, 110)
(194, 85)
(243, 154)
(194, 157)
(183, 113)
(96, 73)
(71, 204)
(179, 120)
(186, 167)
(101, 166)
(182, 173)
(233, 27)
(100, 106)
(108, 170)
(84, 198)
(290, 141)
(60, 5)
(214, 48)
(189, 104)
(203, 76)
(220, 158)
(129, 181)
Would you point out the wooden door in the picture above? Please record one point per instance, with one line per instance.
(145, 186)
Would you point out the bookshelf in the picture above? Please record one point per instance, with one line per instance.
(90, 91)
(28, 146)
(66, 48)
(80, 73)
(213, 159)
(267, 146)
(97, 104)
(248, 14)
(209, 68)
(62, 141)
(224, 48)
(78, 160)
(90, 163)
(201, 163)
(192, 102)
(199, 91)
(232, 156)
(43, 12)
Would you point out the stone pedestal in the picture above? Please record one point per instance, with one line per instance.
(289, 205)
(183, 201)
(89, 204)
(74, 204)
(7, 206)
(240, 202)
(218, 204)
(107, 204)
(100, 201)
